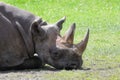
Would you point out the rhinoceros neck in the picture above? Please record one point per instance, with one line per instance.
(26, 33)
(27, 38)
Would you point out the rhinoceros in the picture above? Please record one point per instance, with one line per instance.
(69, 52)
(28, 34)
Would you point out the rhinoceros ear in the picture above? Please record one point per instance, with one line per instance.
(60, 22)
(82, 45)
(69, 35)
(36, 28)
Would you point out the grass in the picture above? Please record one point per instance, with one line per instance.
(101, 17)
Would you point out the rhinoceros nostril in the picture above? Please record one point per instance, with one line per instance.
(73, 65)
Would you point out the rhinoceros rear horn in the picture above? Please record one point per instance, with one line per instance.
(69, 35)
(82, 45)
(60, 22)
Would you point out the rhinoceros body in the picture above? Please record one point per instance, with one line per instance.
(23, 17)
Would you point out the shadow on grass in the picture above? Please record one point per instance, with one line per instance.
(45, 68)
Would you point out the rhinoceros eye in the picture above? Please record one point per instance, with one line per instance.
(56, 55)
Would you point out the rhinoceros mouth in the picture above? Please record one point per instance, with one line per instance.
(67, 67)
(70, 68)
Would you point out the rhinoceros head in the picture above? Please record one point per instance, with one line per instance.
(69, 55)
(58, 51)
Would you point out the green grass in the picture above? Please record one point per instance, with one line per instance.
(102, 17)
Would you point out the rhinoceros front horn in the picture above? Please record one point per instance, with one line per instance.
(82, 45)
(60, 22)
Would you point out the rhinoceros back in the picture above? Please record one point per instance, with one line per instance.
(13, 13)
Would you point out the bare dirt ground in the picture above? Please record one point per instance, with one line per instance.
(30, 74)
